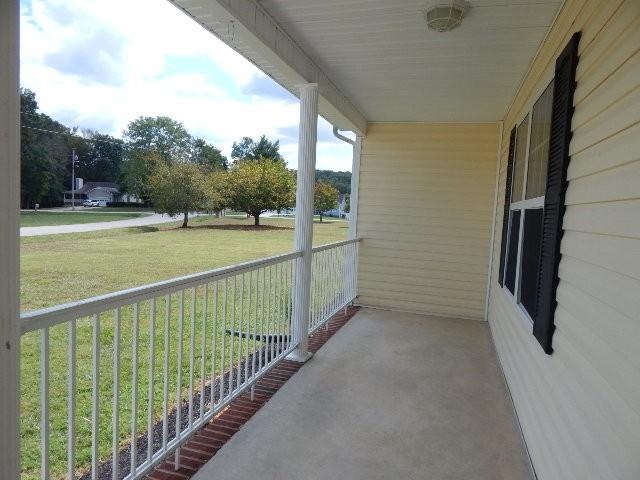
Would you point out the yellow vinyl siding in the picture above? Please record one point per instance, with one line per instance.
(424, 213)
(580, 407)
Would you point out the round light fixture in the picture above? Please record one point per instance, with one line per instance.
(445, 16)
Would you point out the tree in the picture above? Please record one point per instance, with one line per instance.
(164, 135)
(177, 188)
(101, 159)
(255, 187)
(339, 180)
(325, 197)
(248, 149)
(208, 156)
(45, 155)
(164, 139)
(216, 191)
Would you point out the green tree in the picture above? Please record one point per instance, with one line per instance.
(147, 141)
(208, 156)
(164, 139)
(248, 149)
(45, 155)
(255, 187)
(339, 180)
(177, 189)
(164, 135)
(325, 197)
(100, 158)
(216, 191)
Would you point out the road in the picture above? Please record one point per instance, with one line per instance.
(152, 219)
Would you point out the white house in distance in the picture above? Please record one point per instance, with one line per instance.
(494, 251)
(103, 192)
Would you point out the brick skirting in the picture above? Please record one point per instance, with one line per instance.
(204, 444)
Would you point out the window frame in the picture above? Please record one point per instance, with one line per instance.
(524, 204)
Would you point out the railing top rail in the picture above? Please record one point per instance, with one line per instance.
(328, 246)
(50, 316)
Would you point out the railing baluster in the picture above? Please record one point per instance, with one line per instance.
(115, 465)
(95, 398)
(255, 326)
(134, 388)
(240, 330)
(152, 359)
(232, 337)
(224, 338)
(71, 409)
(165, 373)
(270, 317)
(276, 310)
(214, 341)
(248, 331)
(44, 403)
(179, 379)
(192, 348)
(203, 348)
(262, 310)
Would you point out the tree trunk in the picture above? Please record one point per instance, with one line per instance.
(256, 220)
(320, 217)
(186, 220)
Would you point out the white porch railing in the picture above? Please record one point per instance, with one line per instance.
(126, 378)
(333, 280)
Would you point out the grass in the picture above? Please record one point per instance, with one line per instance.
(62, 268)
(42, 218)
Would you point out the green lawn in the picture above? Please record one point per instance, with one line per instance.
(43, 218)
(62, 268)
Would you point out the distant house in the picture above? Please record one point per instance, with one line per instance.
(101, 191)
(338, 212)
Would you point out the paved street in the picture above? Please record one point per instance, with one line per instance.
(152, 219)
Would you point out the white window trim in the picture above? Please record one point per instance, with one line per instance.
(522, 205)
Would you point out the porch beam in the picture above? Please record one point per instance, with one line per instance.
(303, 242)
(246, 27)
(9, 239)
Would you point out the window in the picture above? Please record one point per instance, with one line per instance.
(534, 198)
(528, 183)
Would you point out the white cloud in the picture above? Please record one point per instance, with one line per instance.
(101, 63)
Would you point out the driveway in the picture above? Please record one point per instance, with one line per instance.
(153, 219)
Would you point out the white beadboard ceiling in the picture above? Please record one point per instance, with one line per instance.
(380, 54)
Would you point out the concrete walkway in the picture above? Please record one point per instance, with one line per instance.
(390, 396)
(152, 219)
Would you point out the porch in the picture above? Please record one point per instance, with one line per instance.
(446, 153)
(390, 395)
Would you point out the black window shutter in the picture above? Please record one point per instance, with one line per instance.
(559, 138)
(507, 204)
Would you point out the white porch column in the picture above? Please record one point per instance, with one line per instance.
(355, 182)
(9, 239)
(308, 135)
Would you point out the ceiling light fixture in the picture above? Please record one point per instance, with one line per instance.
(443, 16)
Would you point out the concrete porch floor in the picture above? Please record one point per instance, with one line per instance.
(391, 395)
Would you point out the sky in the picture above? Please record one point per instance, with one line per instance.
(101, 63)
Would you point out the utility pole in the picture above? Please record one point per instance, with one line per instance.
(73, 179)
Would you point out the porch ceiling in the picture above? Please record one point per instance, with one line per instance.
(382, 57)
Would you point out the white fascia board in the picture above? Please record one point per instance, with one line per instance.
(247, 28)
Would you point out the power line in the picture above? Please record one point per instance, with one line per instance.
(120, 142)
